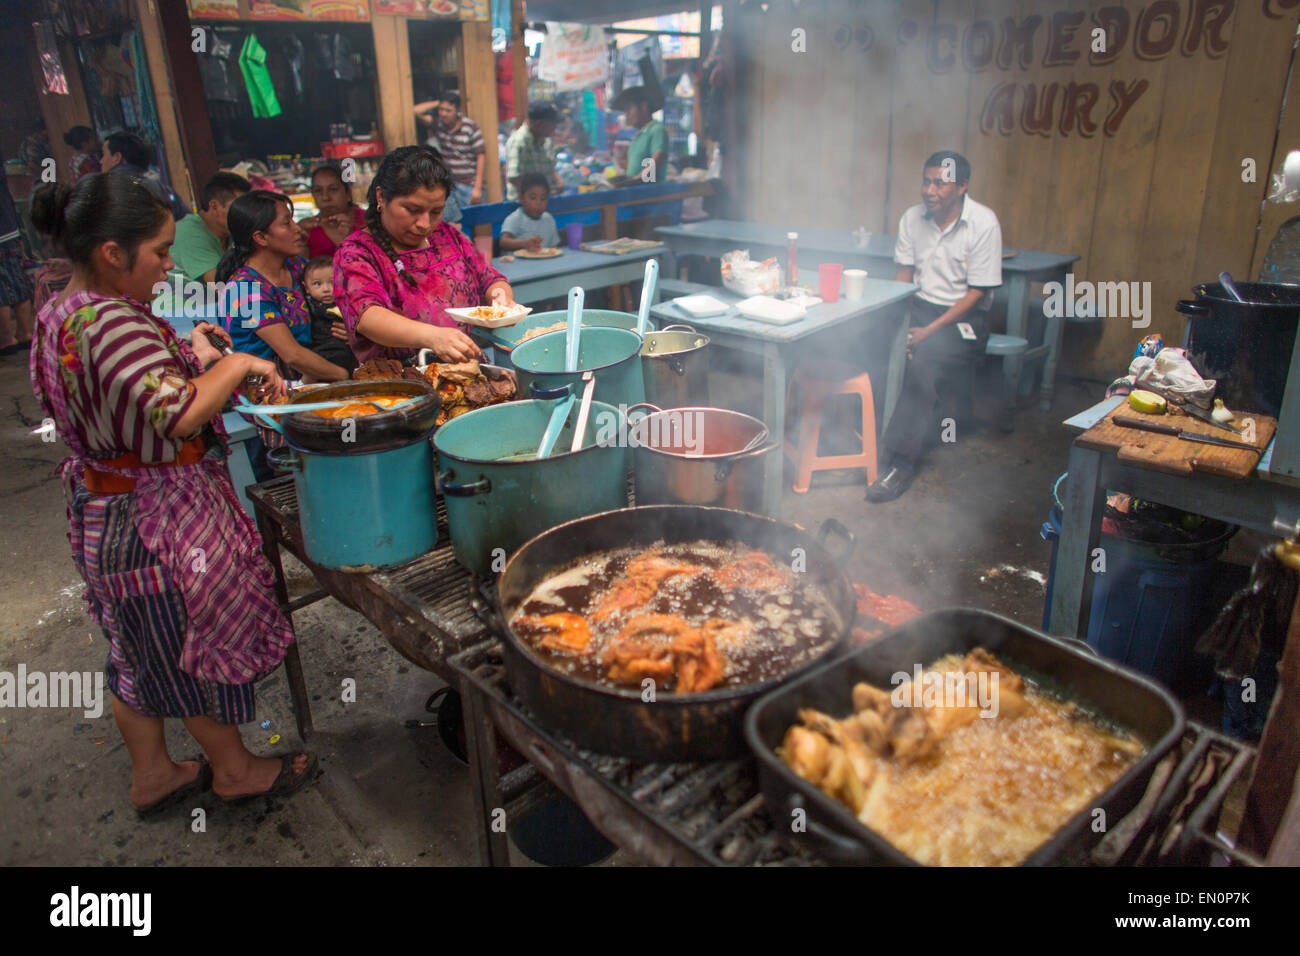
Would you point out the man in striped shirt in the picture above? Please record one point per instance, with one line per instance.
(460, 141)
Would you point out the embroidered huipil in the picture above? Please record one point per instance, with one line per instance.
(115, 380)
(448, 272)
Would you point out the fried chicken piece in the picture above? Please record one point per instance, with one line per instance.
(653, 566)
(571, 635)
(807, 753)
(1009, 696)
(754, 570)
(378, 369)
(631, 662)
(503, 389)
(478, 394)
(699, 665)
(626, 594)
(911, 735)
(869, 697)
(413, 374)
(460, 373)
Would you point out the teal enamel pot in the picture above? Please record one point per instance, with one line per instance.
(498, 495)
(366, 495)
(506, 339)
(613, 354)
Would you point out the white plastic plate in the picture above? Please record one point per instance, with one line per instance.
(510, 318)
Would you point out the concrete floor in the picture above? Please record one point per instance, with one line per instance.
(966, 534)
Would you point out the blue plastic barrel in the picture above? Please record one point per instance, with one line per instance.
(1148, 607)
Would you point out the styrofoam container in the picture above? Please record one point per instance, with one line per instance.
(764, 308)
(701, 305)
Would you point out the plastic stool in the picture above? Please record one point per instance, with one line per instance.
(816, 384)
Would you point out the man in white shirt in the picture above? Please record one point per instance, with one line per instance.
(950, 246)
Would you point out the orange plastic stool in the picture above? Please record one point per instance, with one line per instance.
(816, 383)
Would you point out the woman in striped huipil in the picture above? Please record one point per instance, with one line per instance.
(172, 565)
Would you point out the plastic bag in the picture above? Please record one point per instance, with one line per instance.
(740, 274)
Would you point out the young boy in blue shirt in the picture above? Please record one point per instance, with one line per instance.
(530, 226)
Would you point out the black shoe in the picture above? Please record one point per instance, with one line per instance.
(890, 485)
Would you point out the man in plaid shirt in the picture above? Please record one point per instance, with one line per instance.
(529, 149)
(460, 141)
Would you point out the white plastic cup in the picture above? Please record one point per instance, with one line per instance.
(855, 284)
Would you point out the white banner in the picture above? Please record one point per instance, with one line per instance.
(574, 56)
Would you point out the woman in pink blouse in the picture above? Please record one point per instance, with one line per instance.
(338, 215)
(395, 280)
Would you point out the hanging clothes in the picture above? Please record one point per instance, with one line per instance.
(148, 119)
(261, 94)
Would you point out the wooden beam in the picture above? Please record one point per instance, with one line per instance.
(146, 14)
(61, 112)
(393, 76)
(187, 87)
(479, 98)
(519, 60)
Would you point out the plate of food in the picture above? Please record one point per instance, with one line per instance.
(546, 252)
(491, 316)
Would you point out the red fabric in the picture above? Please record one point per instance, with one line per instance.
(505, 86)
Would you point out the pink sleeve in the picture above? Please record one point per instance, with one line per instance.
(358, 282)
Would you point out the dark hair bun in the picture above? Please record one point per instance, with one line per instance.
(49, 205)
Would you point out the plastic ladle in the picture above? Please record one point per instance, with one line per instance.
(647, 296)
(584, 410)
(574, 331)
(1225, 280)
(553, 428)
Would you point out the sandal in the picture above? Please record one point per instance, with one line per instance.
(285, 783)
(198, 785)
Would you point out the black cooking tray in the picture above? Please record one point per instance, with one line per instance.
(1113, 692)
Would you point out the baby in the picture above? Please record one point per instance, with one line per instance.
(329, 336)
(530, 226)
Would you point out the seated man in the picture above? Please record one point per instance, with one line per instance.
(950, 246)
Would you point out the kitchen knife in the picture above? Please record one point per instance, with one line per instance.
(1161, 428)
(1194, 410)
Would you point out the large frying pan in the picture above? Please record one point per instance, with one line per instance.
(1101, 686)
(674, 727)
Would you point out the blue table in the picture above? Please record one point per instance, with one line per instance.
(1267, 502)
(536, 280)
(716, 237)
(883, 301)
(239, 428)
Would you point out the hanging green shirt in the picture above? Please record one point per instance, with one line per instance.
(649, 139)
(196, 250)
(261, 94)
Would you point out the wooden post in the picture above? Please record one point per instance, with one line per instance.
(60, 112)
(393, 75)
(187, 87)
(519, 60)
(146, 14)
(479, 98)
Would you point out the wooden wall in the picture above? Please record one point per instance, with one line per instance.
(1131, 157)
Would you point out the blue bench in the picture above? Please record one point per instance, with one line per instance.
(630, 202)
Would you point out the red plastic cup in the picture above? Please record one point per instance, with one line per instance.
(828, 276)
(484, 246)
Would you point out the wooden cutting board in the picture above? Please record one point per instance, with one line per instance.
(1174, 455)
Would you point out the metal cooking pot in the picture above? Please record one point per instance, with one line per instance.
(675, 727)
(378, 431)
(498, 504)
(697, 456)
(507, 338)
(676, 367)
(1245, 346)
(613, 354)
(365, 510)
(365, 485)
